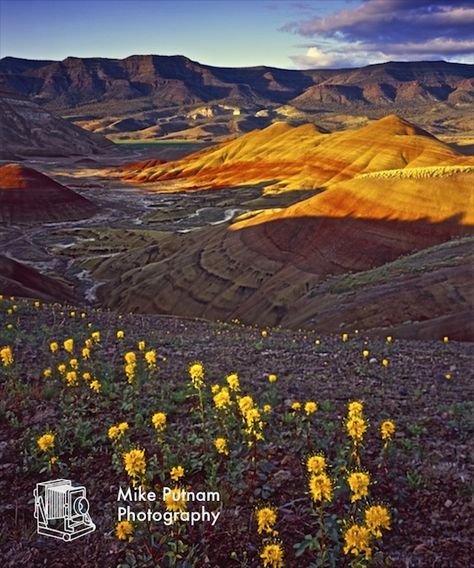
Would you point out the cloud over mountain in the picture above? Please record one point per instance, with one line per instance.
(377, 30)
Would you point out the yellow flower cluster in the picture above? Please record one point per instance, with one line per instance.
(233, 382)
(310, 407)
(253, 425)
(355, 423)
(6, 355)
(177, 473)
(221, 446)
(359, 484)
(387, 430)
(175, 500)
(116, 432)
(150, 358)
(272, 555)
(135, 463)
(68, 345)
(46, 442)
(377, 517)
(222, 400)
(316, 464)
(196, 374)
(130, 366)
(320, 487)
(159, 421)
(266, 519)
(124, 530)
(357, 541)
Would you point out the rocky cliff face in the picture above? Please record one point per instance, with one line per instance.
(26, 129)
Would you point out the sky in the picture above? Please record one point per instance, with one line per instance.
(281, 33)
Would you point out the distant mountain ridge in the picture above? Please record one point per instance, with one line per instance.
(177, 80)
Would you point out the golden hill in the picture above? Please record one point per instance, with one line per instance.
(389, 190)
(284, 157)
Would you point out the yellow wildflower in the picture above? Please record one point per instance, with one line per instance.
(320, 487)
(356, 428)
(175, 500)
(359, 485)
(345, 336)
(46, 442)
(134, 462)
(177, 473)
(96, 336)
(86, 376)
(266, 519)
(159, 421)
(124, 530)
(445, 339)
(130, 372)
(245, 404)
(141, 346)
(37, 304)
(310, 407)
(377, 517)
(222, 399)
(272, 378)
(272, 556)
(264, 333)
(357, 540)
(53, 346)
(71, 379)
(316, 464)
(389, 339)
(88, 343)
(47, 373)
(215, 389)
(62, 368)
(150, 358)
(86, 353)
(296, 406)
(355, 408)
(69, 345)
(221, 446)
(387, 430)
(95, 385)
(196, 373)
(385, 362)
(6, 355)
(120, 334)
(73, 363)
(267, 408)
(233, 382)
(116, 432)
(130, 358)
(254, 424)
(365, 353)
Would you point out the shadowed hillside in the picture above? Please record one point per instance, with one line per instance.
(28, 196)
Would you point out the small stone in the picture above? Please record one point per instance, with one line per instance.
(448, 503)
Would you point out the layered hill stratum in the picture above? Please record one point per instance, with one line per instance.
(150, 96)
(384, 192)
(28, 196)
(26, 129)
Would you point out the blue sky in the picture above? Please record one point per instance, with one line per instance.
(281, 33)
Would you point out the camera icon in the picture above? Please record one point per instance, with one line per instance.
(62, 510)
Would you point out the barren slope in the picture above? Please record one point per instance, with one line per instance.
(28, 196)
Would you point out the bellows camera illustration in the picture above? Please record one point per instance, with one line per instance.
(62, 510)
